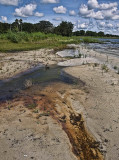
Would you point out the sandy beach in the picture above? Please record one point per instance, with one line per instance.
(59, 121)
(101, 104)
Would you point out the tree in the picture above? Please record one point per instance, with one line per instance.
(64, 28)
(79, 33)
(82, 32)
(20, 21)
(4, 27)
(91, 33)
(101, 34)
(17, 24)
(28, 27)
(44, 26)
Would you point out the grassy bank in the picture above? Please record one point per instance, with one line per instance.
(29, 41)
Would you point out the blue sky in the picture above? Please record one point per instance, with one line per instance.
(95, 15)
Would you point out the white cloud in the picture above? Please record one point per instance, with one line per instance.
(99, 11)
(9, 2)
(4, 18)
(78, 21)
(97, 15)
(37, 14)
(109, 25)
(104, 6)
(101, 24)
(115, 17)
(25, 11)
(75, 28)
(84, 11)
(105, 25)
(49, 1)
(72, 13)
(111, 13)
(83, 26)
(117, 25)
(93, 4)
(58, 19)
(60, 9)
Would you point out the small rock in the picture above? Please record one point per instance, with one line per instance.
(25, 155)
(19, 120)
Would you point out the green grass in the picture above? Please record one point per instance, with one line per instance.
(31, 106)
(90, 40)
(21, 41)
(104, 67)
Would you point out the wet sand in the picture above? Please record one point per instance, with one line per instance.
(41, 124)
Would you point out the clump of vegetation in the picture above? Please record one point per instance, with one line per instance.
(118, 71)
(0, 66)
(90, 40)
(104, 68)
(115, 67)
(83, 63)
(95, 64)
(80, 55)
(17, 37)
(31, 106)
(35, 111)
(9, 107)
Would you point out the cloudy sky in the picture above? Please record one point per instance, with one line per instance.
(95, 15)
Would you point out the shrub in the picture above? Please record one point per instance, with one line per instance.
(90, 40)
(13, 37)
(104, 67)
(17, 37)
(79, 56)
(96, 64)
(115, 67)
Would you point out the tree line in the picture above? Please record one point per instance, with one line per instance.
(64, 28)
(92, 33)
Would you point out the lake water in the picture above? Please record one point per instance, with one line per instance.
(110, 46)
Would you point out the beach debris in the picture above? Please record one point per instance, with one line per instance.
(25, 155)
(28, 83)
(47, 67)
